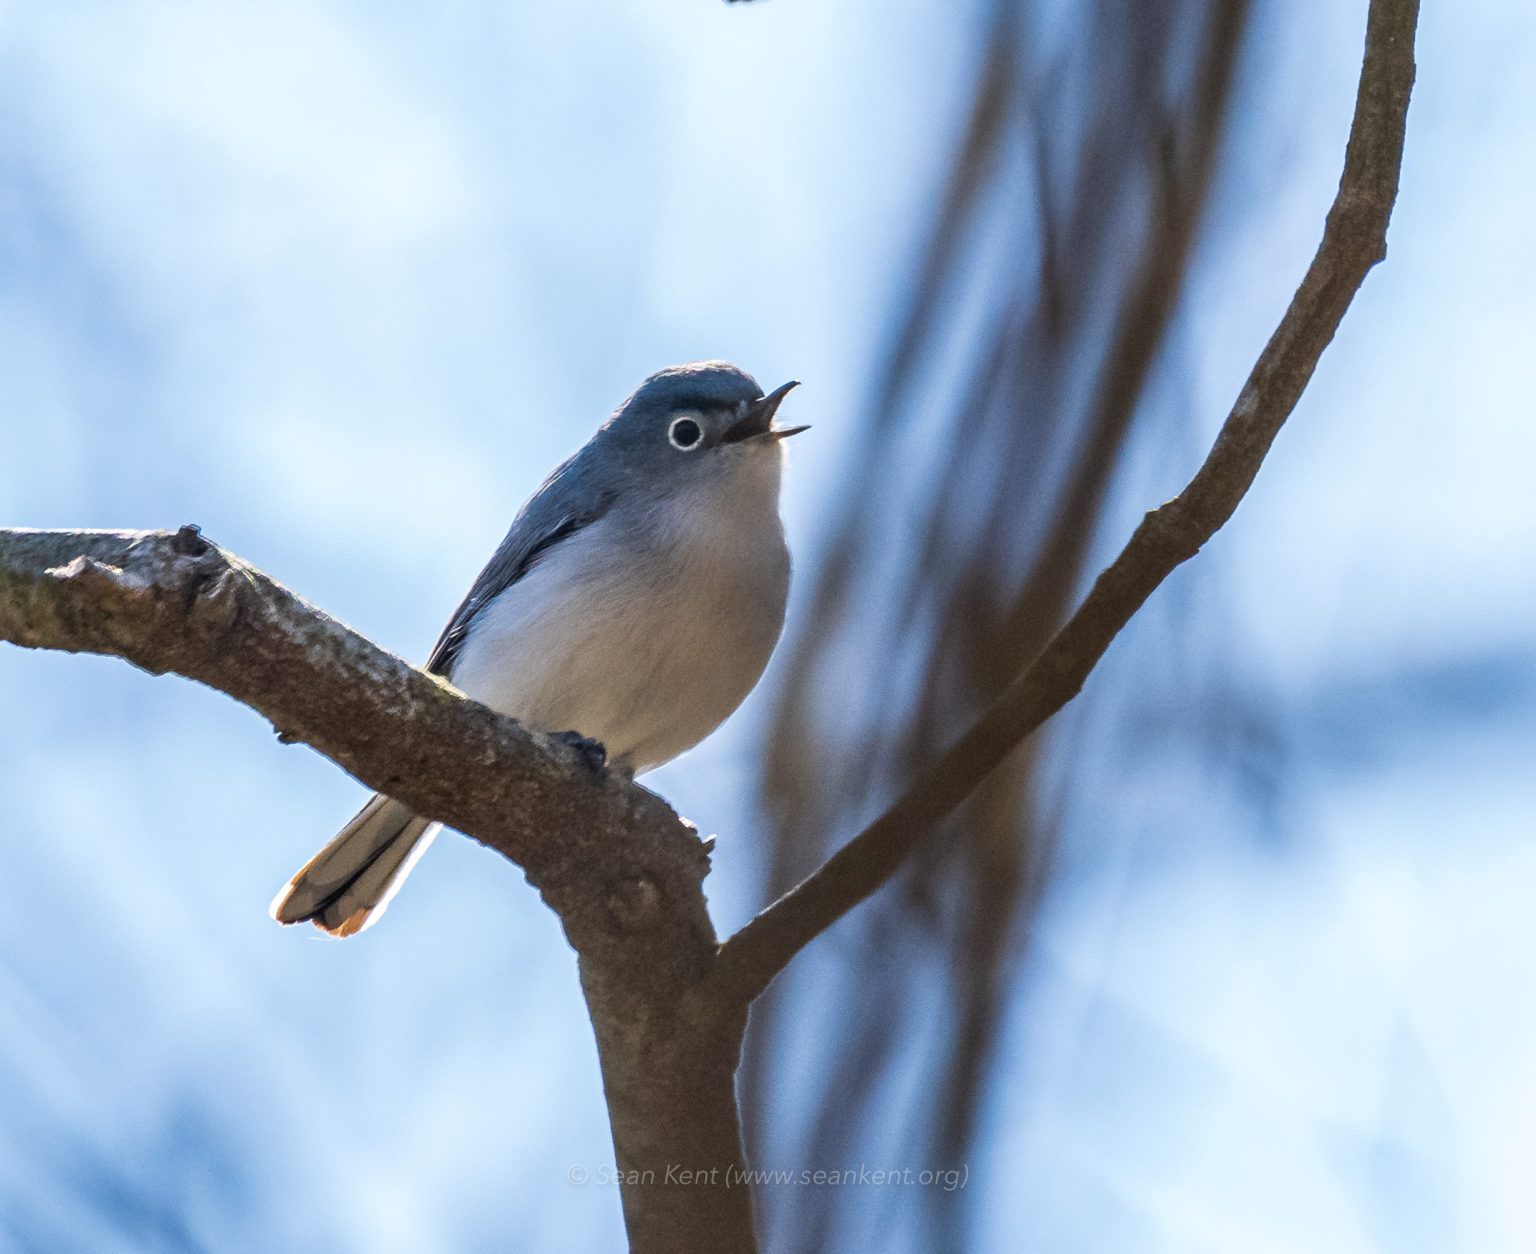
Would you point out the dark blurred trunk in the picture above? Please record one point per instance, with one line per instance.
(1060, 245)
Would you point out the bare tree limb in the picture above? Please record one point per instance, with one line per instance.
(620, 868)
(174, 602)
(1354, 240)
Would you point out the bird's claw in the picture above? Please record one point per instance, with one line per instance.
(592, 752)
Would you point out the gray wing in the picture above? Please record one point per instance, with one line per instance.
(556, 512)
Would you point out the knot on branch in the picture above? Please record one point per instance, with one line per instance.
(1174, 531)
(189, 542)
(193, 585)
(154, 593)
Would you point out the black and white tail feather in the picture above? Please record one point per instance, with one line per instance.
(347, 885)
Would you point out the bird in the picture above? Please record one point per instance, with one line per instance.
(632, 606)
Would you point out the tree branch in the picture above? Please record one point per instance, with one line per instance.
(1354, 240)
(174, 602)
(620, 868)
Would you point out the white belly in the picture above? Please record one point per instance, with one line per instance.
(647, 663)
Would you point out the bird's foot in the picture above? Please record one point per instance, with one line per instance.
(592, 752)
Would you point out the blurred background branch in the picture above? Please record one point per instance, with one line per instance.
(1068, 219)
(1354, 241)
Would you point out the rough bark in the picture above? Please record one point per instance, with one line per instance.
(623, 872)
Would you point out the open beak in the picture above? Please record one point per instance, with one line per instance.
(757, 421)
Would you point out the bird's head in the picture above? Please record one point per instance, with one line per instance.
(688, 424)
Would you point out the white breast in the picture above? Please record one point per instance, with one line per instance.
(647, 628)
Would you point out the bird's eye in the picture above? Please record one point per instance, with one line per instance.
(685, 433)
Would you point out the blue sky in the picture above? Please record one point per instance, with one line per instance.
(341, 282)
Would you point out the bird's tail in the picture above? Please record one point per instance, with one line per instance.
(346, 886)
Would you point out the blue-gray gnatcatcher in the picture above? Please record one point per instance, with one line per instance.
(635, 602)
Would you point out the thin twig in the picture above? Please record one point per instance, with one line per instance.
(1354, 240)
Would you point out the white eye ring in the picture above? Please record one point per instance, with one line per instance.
(686, 433)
